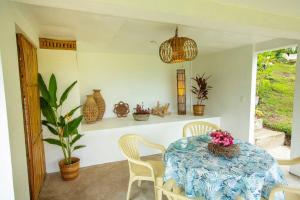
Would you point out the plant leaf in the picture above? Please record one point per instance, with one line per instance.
(47, 111)
(66, 93)
(43, 88)
(50, 128)
(75, 139)
(53, 90)
(73, 125)
(69, 114)
(54, 141)
(78, 147)
(62, 121)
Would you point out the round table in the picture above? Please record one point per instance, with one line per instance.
(252, 174)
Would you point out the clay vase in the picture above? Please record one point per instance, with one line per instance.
(100, 103)
(90, 110)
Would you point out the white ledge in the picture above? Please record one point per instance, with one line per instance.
(101, 138)
(113, 123)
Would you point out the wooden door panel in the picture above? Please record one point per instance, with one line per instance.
(35, 119)
(32, 115)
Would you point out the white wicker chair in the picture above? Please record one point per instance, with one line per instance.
(291, 193)
(198, 128)
(140, 170)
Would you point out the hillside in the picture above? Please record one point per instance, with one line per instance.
(275, 88)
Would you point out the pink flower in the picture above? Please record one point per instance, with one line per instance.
(222, 138)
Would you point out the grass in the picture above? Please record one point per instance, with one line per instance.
(275, 87)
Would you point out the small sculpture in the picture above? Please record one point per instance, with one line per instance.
(160, 110)
(121, 109)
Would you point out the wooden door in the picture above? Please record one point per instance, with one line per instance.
(32, 115)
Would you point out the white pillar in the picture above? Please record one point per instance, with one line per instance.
(6, 177)
(295, 146)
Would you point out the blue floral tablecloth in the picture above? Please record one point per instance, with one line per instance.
(251, 175)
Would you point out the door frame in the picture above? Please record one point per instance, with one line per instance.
(270, 46)
(28, 137)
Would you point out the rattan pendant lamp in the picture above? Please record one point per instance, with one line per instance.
(178, 49)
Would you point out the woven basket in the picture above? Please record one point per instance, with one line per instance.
(100, 103)
(228, 152)
(90, 109)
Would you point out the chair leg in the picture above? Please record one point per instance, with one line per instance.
(129, 189)
(139, 183)
(158, 193)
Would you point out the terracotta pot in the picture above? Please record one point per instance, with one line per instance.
(100, 103)
(90, 109)
(198, 110)
(69, 172)
(140, 117)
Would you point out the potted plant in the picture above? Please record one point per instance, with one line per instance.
(141, 113)
(63, 126)
(200, 90)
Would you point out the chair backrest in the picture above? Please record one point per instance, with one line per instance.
(129, 146)
(198, 128)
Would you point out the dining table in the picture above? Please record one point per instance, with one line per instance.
(202, 175)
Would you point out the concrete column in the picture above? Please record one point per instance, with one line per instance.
(295, 148)
(6, 177)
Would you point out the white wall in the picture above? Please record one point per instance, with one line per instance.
(130, 78)
(230, 97)
(6, 176)
(127, 77)
(63, 64)
(8, 48)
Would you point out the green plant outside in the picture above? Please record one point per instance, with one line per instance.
(63, 126)
(275, 88)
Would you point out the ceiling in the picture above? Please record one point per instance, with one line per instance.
(100, 33)
(289, 8)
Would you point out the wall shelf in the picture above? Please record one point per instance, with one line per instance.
(114, 123)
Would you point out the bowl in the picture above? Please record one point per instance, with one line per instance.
(140, 117)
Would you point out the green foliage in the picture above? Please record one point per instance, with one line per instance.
(62, 126)
(275, 87)
(259, 113)
(279, 127)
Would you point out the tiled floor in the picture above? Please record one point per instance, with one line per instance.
(101, 182)
(109, 182)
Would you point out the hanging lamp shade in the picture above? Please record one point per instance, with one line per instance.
(178, 49)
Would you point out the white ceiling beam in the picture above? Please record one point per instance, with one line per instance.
(195, 13)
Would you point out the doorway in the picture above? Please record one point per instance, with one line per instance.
(28, 69)
(275, 87)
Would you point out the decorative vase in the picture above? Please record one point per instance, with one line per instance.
(90, 110)
(100, 103)
(140, 117)
(71, 171)
(198, 110)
